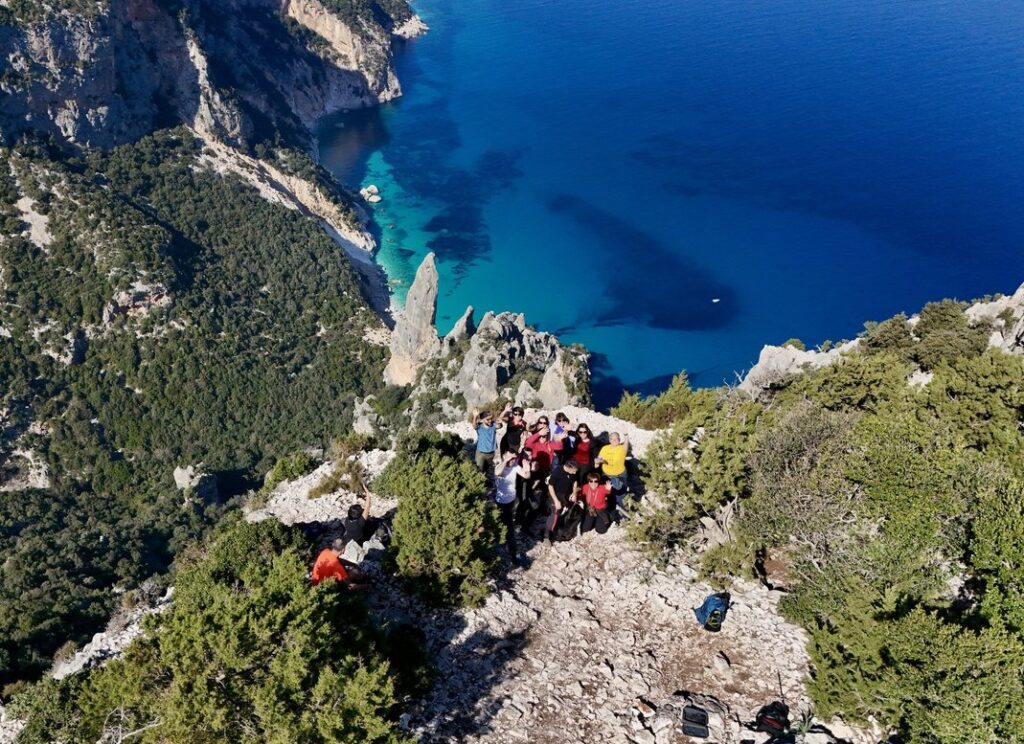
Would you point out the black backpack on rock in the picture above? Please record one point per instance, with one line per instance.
(773, 719)
(569, 522)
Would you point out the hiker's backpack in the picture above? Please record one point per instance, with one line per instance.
(695, 722)
(711, 614)
(773, 719)
(569, 522)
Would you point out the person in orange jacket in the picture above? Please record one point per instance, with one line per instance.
(330, 565)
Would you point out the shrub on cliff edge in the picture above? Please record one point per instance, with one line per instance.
(444, 529)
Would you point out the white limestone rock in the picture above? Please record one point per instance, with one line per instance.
(414, 340)
(776, 363)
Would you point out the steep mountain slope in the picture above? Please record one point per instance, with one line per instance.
(245, 71)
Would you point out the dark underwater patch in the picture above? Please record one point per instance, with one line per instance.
(648, 281)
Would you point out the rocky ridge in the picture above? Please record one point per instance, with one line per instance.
(475, 365)
(1005, 313)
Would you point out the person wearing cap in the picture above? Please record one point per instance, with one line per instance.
(513, 468)
(487, 437)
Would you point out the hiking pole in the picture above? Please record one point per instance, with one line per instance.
(782, 693)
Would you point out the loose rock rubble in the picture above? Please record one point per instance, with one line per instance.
(589, 642)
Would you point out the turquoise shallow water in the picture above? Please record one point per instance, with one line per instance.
(613, 169)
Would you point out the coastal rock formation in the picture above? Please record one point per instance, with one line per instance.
(414, 340)
(776, 363)
(474, 365)
(1005, 314)
(112, 73)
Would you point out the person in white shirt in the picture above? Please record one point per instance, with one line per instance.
(512, 466)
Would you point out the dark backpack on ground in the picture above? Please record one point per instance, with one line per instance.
(569, 522)
(773, 719)
(711, 614)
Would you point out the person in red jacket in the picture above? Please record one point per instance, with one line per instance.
(542, 448)
(595, 495)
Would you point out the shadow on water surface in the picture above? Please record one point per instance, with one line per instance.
(648, 282)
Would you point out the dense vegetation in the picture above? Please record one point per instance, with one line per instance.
(444, 531)
(893, 513)
(204, 326)
(248, 652)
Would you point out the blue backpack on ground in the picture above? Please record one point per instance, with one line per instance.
(711, 614)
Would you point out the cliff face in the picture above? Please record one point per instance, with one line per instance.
(236, 70)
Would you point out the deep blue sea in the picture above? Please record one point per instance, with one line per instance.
(675, 183)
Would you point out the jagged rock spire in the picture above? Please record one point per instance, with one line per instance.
(414, 339)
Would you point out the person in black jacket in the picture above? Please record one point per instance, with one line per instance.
(515, 427)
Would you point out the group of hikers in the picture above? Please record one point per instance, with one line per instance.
(559, 471)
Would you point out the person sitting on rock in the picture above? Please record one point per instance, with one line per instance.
(563, 490)
(358, 525)
(515, 427)
(513, 468)
(330, 565)
(487, 437)
(595, 496)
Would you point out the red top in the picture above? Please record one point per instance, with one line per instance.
(328, 566)
(582, 453)
(542, 451)
(596, 495)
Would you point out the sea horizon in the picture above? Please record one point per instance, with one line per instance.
(675, 186)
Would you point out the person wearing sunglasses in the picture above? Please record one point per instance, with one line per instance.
(584, 452)
(595, 496)
(515, 427)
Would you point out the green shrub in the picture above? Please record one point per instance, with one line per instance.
(795, 343)
(892, 335)
(289, 468)
(248, 652)
(444, 530)
(693, 473)
(679, 403)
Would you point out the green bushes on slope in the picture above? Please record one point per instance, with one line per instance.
(444, 530)
(895, 513)
(248, 652)
(257, 354)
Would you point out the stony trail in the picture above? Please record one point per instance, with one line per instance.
(575, 646)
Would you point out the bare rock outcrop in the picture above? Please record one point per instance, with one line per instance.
(1006, 314)
(122, 629)
(414, 340)
(474, 365)
(196, 484)
(777, 363)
